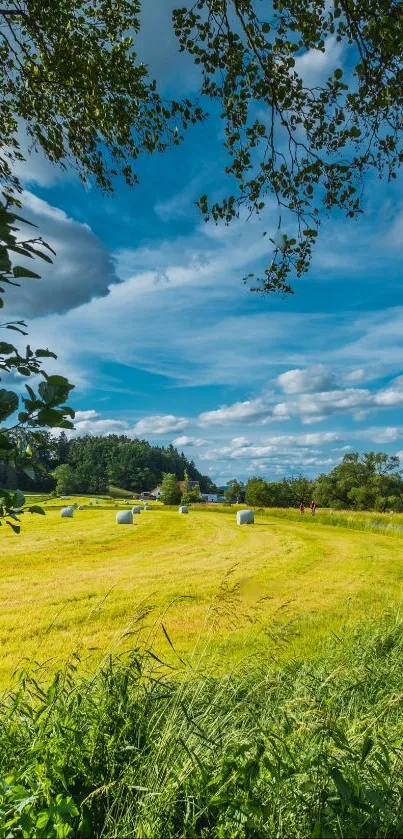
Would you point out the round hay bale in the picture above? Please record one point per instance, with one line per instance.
(183, 509)
(146, 507)
(67, 512)
(124, 517)
(136, 510)
(81, 507)
(245, 517)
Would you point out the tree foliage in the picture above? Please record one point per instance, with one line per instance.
(171, 493)
(93, 464)
(70, 74)
(29, 408)
(307, 145)
(372, 481)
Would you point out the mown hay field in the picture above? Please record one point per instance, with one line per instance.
(280, 585)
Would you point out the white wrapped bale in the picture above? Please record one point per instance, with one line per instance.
(81, 507)
(124, 517)
(67, 512)
(183, 509)
(146, 507)
(245, 517)
(136, 510)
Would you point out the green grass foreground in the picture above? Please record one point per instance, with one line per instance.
(143, 750)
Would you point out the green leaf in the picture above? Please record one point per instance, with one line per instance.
(5, 348)
(15, 527)
(45, 354)
(19, 271)
(30, 472)
(366, 748)
(42, 820)
(341, 784)
(18, 499)
(8, 403)
(54, 390)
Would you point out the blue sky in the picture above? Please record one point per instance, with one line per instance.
(147, 311)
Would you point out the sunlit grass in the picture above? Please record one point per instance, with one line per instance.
(68, 583)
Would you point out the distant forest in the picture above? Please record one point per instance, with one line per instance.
(93, 464)
(371, 481)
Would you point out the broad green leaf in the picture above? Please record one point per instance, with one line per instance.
(8, 403)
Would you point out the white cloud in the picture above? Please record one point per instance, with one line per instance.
(159, 424)
(388, 434)
(315, 407)
(184, 440)
(312, 380)
(249, 411)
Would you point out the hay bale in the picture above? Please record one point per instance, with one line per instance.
(67, 512)
(124, 517)
(136, 510)
(146, 507)
(183, 509)
(81, 507)
(245, 517)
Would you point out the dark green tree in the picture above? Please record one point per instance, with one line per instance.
(171, 493)
(371, 481)
(257, 494)
(66, 482)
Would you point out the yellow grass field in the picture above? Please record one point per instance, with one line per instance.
(77, 583)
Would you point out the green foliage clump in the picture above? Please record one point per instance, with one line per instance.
(141, 749)
(170, 489)
(372, 481)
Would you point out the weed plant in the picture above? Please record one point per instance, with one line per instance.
(154, 749)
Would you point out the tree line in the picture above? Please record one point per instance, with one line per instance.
(371, 481)
(93, 464)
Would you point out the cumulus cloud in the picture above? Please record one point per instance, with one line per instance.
(160, 424)
(311, 380)
(82, 268)
(184, 440)
(388, 434)
(91, 422)
(248, 411)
